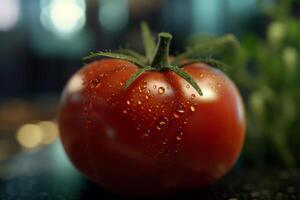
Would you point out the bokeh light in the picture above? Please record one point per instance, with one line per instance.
(29, 135)
(113, 14)
(63, 17)
(9, 14)
(49, 131)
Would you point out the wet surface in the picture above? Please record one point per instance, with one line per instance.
(47, 174)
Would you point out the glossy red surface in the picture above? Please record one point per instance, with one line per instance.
(158, 135)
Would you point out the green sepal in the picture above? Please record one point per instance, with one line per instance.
(148, 40)
(134, 54)
(134, 76)
(186, 77)
(116, 56)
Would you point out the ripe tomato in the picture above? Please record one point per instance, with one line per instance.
(158, 135)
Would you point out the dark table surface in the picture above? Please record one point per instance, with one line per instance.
(47, 174)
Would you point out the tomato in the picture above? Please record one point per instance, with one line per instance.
(158, 135)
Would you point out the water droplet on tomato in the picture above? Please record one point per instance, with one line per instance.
(149, 110)
(94, 83)
(139, 102)
(193, 96)
(176, 115)
(180, 110)
(154, 86)
(158, 128)
(128, 102)
(124, 111)
(193, 108)
(147, 97)
(187, 86)
(179, 135)
(161, 90)
(146, 134)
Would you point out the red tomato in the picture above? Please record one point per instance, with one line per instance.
(157, 136)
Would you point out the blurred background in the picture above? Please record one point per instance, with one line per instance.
(42, 43)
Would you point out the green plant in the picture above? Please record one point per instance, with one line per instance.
(266, 69)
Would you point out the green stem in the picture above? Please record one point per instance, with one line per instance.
(161, 56)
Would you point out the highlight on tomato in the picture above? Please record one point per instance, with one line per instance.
(149, 125)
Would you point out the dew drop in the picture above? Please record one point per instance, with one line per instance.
(147, 97)
(193, 108)
(176, 115)
(124, 111)
(139, 102)
(180, 110)
(188, 86)
(146, 134)
(128, 102)
(161, 90)
(94, 83)
(158, 128)
(193, 96)
(154, 86)
(90, 106)
(179, 135)
(121, 83)
(149, 110)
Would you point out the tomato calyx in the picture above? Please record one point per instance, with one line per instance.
(157, 56)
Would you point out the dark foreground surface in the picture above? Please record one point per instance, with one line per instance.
(47, 174)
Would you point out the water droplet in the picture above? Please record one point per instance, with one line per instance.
(201, 75)
(124, 111)
(176, 115)
(188, 86)
(138, 127)
(154, 86)
(146, 97)
(139, 102)
(219, 85)
(180, 110)
(193, 96)
(90, 106)
(179, 135)
(162, 123)
(185, 121)
(94, 83)
(146, 134)
(193, 108)
(149, 110)
(158, 128)
(121, 83)
(128, 102)
(161, 90)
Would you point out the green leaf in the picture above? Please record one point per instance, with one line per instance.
(148, 40)
(117, 56)
(134, 76)
(207, 45)
(186, 77)
(134, 54)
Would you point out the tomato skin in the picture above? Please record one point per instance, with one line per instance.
(158, 135)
